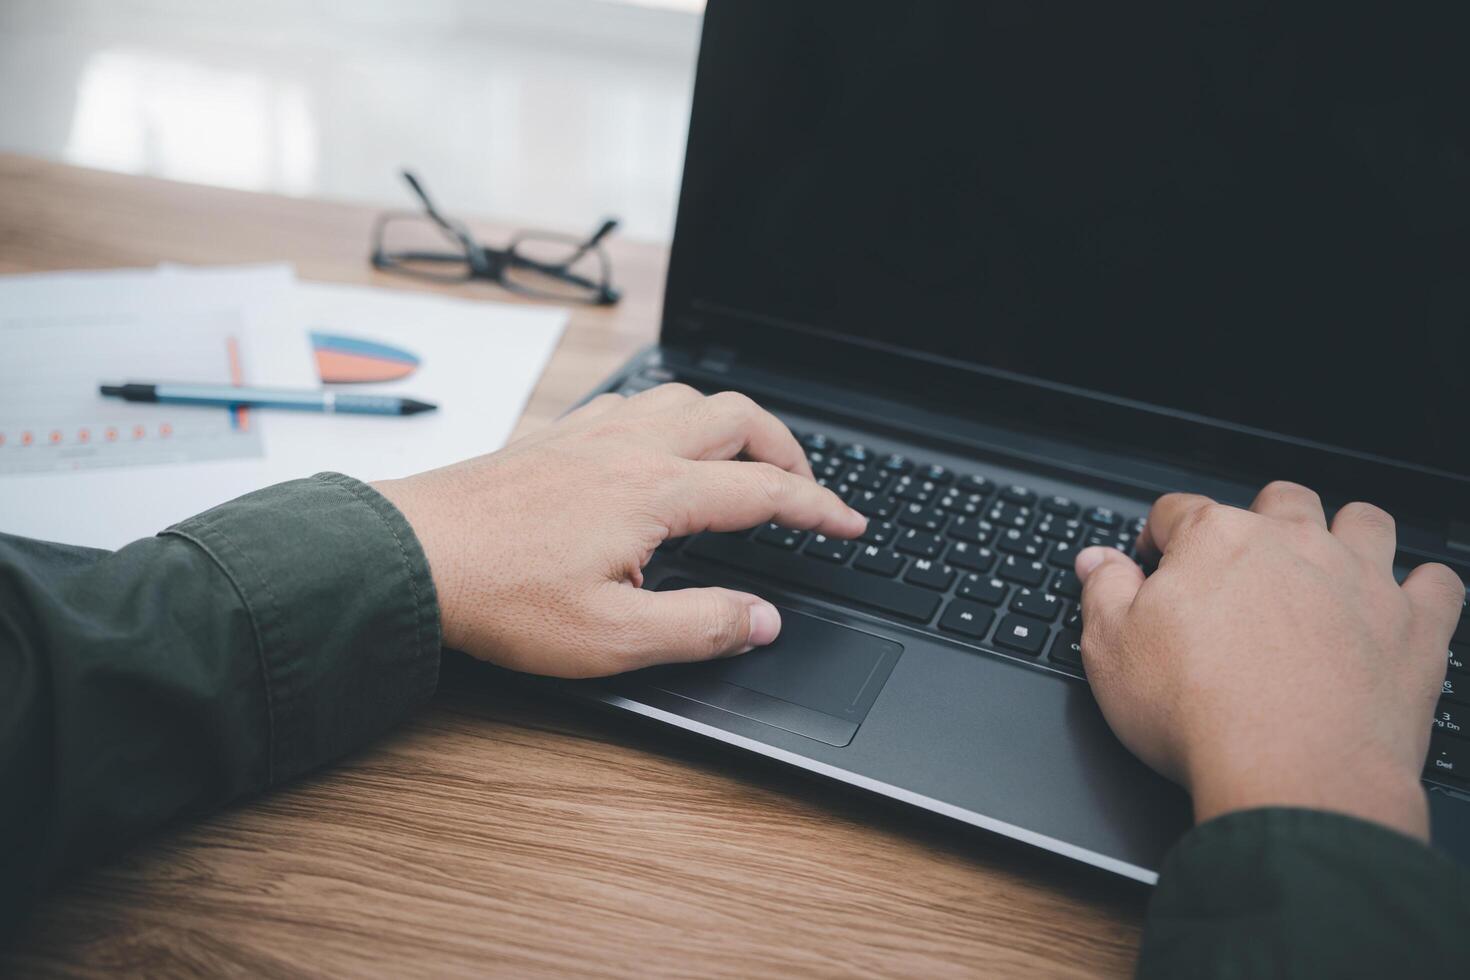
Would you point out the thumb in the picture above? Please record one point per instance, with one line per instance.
(1110, 580)
(695, 624)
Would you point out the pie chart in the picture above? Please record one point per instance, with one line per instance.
(353, 360)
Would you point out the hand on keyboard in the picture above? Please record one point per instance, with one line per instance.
(537, 551)
(1270, 660)
(954, 554)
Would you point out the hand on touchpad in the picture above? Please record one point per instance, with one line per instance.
(818, 679)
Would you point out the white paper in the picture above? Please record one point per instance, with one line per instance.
(479, 363)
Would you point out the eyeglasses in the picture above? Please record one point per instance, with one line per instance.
(542, 265)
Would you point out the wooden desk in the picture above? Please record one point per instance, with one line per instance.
(505, 833)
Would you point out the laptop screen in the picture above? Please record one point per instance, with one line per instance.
(1254, 214)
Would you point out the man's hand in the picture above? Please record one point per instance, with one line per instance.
(537, 551)
(1270, 661)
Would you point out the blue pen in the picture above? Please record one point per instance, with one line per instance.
(227, 396)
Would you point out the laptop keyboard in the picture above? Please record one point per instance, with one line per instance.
(984, 564)
(955, 554)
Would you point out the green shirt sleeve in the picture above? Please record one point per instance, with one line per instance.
(1305, 893)
(233, 651)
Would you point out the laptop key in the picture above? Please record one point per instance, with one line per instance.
(966, 618)
(982, 589)
(866, 479)
(921, 543)
(1009, 515)
(1458, 656)
(1017, 542)
(1018, 495)
(1066, 584)
(1102, 517)
(1063, 554)
(817, 442)
(1058, 529)
(971, 557)
(830, 549)
(879, 561)
(1023, 571)
(1448, 757)
(971, 483)
(872, 503)
(1042, 605)
(905, 601)
(935, 473)
(1022, 633)
(972, 529)
(856, 452)
(925, 518)
(894, 463)
(1066, 649)
(966, 504)
(930, 574)
(780, 537)
(915, 490)
(1065, 506)
(1452, 719)
(1073, 619)
(880, 532)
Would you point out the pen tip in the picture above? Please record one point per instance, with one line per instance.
(409, 406)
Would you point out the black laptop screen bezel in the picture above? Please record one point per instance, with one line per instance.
(1433, 498)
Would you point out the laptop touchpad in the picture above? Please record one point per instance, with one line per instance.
(818, 679)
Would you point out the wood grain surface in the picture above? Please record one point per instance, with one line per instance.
(504, 832)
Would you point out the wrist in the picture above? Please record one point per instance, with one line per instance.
(419, 517)
(1384, 795)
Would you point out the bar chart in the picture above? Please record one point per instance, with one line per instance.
(52, 417)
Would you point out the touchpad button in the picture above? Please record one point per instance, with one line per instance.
(818, 679)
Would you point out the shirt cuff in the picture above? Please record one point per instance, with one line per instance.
(343, 607)
(1289, 892)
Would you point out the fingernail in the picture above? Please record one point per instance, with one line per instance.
(858, 516)
(1088, 559)
(765, 624)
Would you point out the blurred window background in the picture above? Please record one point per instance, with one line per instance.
(550, 113)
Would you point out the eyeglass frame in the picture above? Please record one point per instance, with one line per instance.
(491, 264)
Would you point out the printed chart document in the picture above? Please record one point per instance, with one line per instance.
(55, 357)
(82, 469)
(478, 362)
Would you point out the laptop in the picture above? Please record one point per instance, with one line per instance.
(1010, 271)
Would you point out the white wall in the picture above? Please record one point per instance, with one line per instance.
(544, 112)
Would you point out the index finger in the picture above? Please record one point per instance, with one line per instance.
(732, 496)
(729, 424)
(1165, 517)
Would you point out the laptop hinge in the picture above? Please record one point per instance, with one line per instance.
(1458, 538)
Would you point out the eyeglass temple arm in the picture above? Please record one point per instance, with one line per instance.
(608, 226)
(422, 194)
